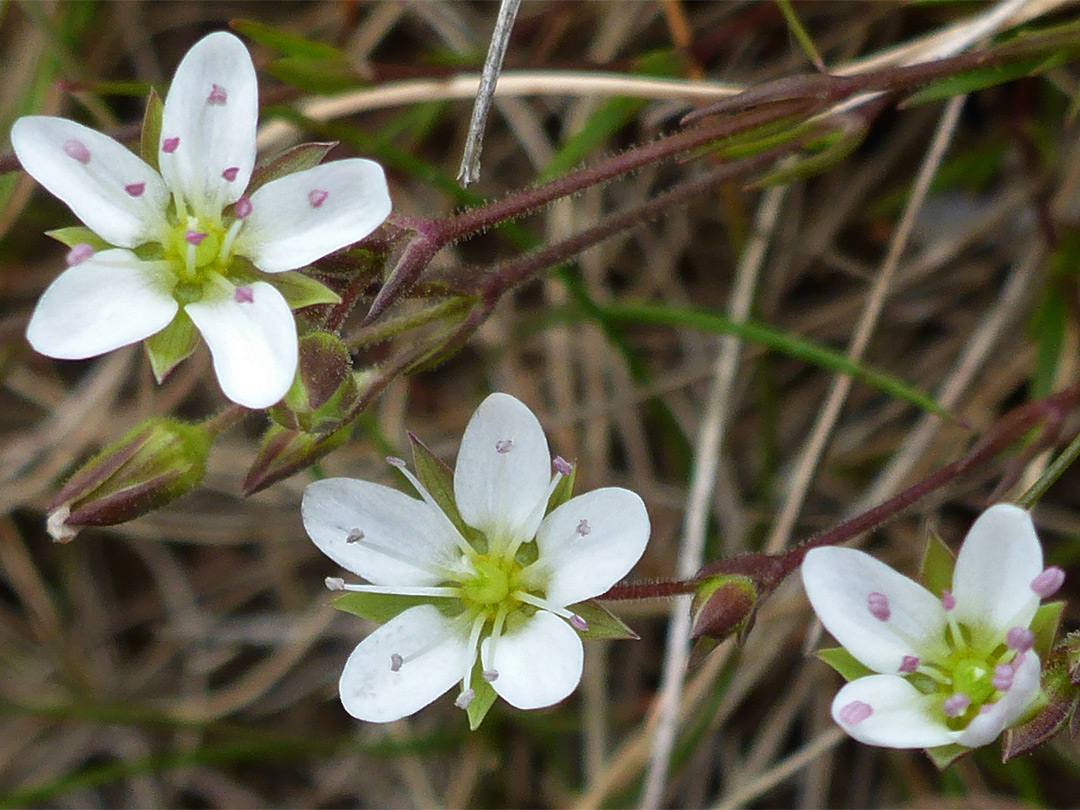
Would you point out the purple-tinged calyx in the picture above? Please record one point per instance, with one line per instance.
(316, 197)
(135, 189)
(76, 150)
(955, 705)
(854, 713)
(1048, 582)
(878, 605)
(78, 254)
(909, 664)
(1020, 639)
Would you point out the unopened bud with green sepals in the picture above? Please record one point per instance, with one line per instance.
(323, 390)
(156, 463)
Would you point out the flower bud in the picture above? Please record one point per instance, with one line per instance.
(156, 463)
(724, 604)
(323, 389)
(1058, 706)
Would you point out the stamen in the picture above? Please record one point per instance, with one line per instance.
(225, 252)
(544, 604)
(490, 675)
(517, 535)
(169, 145)
(956, 705)
(78, 254)
(135, 189)
(230, 173)
(1020, 639)
(334, 584)
(355, 536)
(317, 197)
(396, 662)
(76, 150)
(579, 623)
(854, 713)
(474, 641)
(504, 445)
(462, 543)
(440, 571)
(217, 96)
(948, 601)
(435, 591)
(463, 700)
(1048, 582)
(242, 209)
(1003, 677)
(194, 237)
(909, 664)
(583, 528)
(394, 461)
(244, 295)
(878, 605)
(561, 465)
(496, 631)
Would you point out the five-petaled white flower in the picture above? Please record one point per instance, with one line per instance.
(175, 235)
(502, 593)
(954, 671)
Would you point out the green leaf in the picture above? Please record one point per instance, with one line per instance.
(438, 479)
(564, 491)
(791, 345)
(483, 699)
(316, 74)
(172, 345)
(301, 291)
(284, 43)
(1045, 626)
(150, 136)
(936, 568)
(845, 663)
(78, 235)
(602, 622)
(377, 607)
(982, 78)
(297, 159)
(800, 34)
(945, 755)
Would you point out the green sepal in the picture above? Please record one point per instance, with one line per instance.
(284, 452)
(171, 346)
(1045, 626)
(981, 78)
(150, 137)
(602, 622)
(564, 491)
(301, 291)
(78, 235)
(945, 755)
(377, 607)
(438, 479)
(936, 568)
(845, 663)
(483, 697)
(295, 159)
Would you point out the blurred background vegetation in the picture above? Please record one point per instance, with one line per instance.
(190, 657)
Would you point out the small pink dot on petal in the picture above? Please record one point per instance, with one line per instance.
(78, 254)
(245, 295)
(76, 150)
(135, 189)
(317, 197)
(854, 713)
(242, 209)
(169, 145)
(503, 446)
(878, 605)
(231, 173)
(583, 527)
(217, 95)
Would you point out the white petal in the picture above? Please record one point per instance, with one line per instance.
(1010, 707)
(109, 300)
(901, 716)
(213, 108)
(253, 342)
(586, 558)
(839, 582)
(371, 690)
(539, 662)
(992, 579)
(95, 190)
(498, 492)
(304, 216)
(334, 508)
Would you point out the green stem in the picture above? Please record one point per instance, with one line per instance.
(1052, 474)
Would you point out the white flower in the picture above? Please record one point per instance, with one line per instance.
(502, 593)
(174, 235)
(955, 670)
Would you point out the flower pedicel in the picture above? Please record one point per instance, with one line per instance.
(494, 577)
(187, 246)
